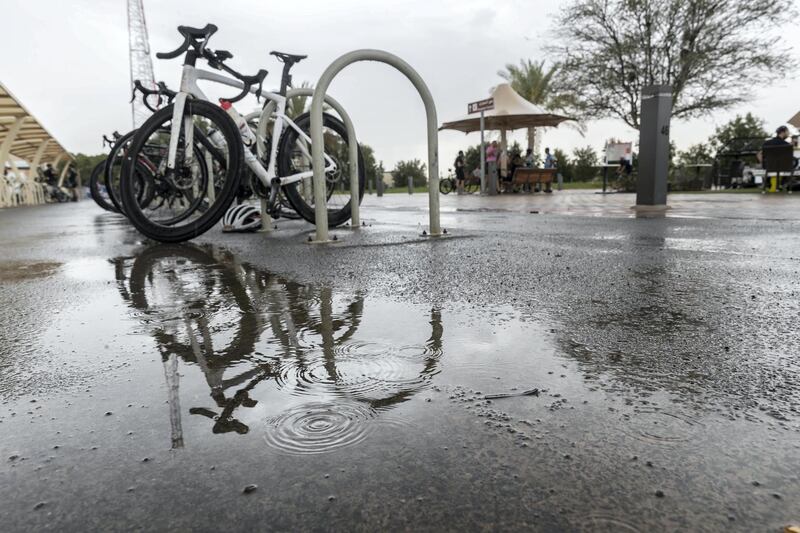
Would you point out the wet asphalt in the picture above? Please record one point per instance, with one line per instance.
(553, 364)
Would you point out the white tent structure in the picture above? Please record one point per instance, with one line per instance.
(24, 139)
(511, 112)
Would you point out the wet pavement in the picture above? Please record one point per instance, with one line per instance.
(554, 364)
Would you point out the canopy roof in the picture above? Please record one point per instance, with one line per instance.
(30, 135)
(511, 112)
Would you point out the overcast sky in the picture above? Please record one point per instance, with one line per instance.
(68, 63)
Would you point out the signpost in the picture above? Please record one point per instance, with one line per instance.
(480, 107)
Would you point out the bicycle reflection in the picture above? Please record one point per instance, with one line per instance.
(242, 327)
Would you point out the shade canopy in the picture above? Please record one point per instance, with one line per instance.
(22, 135)
(511, 112)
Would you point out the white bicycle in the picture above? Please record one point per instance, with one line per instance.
(186, 163)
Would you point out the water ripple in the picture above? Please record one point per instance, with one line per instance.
(316, 428)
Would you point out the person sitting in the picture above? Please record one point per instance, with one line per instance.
(781, 134)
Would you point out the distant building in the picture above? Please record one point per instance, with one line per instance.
(388, 179)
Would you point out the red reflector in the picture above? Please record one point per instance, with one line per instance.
(224, 104)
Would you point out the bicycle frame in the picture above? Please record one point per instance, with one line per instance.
(191, 75)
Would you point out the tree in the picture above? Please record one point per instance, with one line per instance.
(564, 164)
(584, 164)
(414, 169)
(84, 164)
(696, 153)
(514, 150)
(711, 52)
(535, 83)
(371, 168)
(298, 105)
(741, 127)
(472, 158)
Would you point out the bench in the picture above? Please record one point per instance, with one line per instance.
(531, 176)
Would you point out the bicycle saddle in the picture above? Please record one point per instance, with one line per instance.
(287, 58)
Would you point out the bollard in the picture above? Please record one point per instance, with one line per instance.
(410, 185)
(379, 188)
(317, 138)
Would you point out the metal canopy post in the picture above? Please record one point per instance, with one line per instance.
(483, 157)
(317, 137)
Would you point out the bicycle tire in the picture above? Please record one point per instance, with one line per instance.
(336, 217)
(112, 185)
(231, 294)
(224, 197)
(446, 186)
(94, 188)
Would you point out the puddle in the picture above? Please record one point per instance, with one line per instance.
(222, 374)
(13, 271)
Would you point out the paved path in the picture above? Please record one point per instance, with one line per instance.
(145, 386)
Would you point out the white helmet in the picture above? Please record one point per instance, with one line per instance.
(241, 218)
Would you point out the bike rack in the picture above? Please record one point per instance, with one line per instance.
(317, 140)
(261, 133)
(351, 135)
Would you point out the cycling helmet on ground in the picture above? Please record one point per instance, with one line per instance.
(241, 218)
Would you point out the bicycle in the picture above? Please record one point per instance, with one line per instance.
(448, 184)
(97, 190)
(221, 139)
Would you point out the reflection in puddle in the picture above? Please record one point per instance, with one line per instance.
(244, 328)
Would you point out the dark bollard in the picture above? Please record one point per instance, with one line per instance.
(410, 185)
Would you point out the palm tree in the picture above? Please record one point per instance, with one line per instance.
(297, 105)
(537, 84)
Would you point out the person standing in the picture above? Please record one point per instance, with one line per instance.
(502, 165)
(549, 162)
(459, 166)
(491, 162)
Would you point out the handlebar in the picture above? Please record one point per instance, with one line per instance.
(161, 90)
(248, 82)
(196, 38)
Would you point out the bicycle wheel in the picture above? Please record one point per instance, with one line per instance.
(113, 170)
(293, 157)
(446, 186)
(193, 196)
(472, 186)
(98, 190)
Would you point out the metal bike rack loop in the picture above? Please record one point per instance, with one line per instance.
(348, 124)
(321, 210)
(271, 103)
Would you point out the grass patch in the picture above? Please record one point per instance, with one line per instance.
(404, 190)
